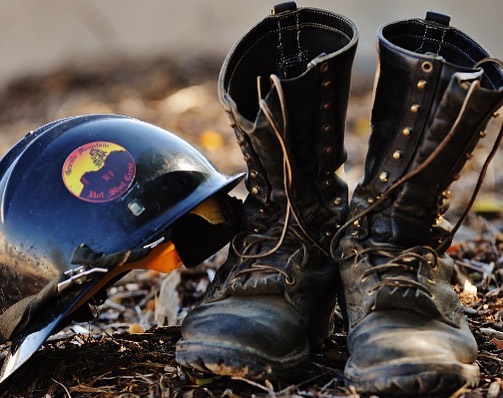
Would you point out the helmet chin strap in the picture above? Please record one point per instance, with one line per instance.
(18, 316)
(91, 264)
(84, 255)
(160, 256)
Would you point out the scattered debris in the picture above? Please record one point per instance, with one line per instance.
(129, 351)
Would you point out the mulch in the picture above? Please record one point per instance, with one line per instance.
(128, 351)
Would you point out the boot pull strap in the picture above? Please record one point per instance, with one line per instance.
(437, 17)
(283, 7)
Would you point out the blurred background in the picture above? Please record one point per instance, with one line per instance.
(37, 36)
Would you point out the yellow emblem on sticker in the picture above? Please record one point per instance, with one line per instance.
(99, 171)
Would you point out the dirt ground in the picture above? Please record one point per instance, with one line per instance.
(128, 351)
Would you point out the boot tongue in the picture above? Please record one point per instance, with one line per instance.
(408, 287)
(388, 298)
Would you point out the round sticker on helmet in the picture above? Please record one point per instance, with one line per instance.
(99, 171)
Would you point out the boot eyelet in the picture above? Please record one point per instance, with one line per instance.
(255, 190)
(426, 66)
(289, 281)
(326, 128)
(326, 106)
(406, 131)
(337, 201)
(415, 108)
(446, 194)
(326, 83)
(483, 133)
(469, 156)
(383, 176)
(397, 155)
(421, 84)
(329, 150)
(324, 67)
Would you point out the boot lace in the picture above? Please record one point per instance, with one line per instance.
(400, 268)
(398, 258)
(257, 246)
(283, 233)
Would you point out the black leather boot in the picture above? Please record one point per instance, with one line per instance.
(285, 86)
(435, 92)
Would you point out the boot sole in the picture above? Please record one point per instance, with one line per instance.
(238, 361)
(419, 379)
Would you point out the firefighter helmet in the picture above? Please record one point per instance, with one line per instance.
(85, 199)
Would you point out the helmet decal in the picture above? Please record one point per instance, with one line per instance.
(99, 171)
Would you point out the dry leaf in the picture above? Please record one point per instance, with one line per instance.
(168, 302)
(136, 328)
(211, 140)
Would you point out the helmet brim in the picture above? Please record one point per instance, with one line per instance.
(25, 344)
(22, 349)
(46, 323)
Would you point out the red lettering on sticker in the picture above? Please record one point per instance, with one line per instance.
(108, 175)
(130, 172)
(96, 195)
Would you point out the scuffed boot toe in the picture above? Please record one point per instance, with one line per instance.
(246, 338)
(400, 353)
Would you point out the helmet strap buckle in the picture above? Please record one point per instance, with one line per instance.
(78, 276)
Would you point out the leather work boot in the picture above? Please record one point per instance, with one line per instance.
(285, 85)
(435, 91)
